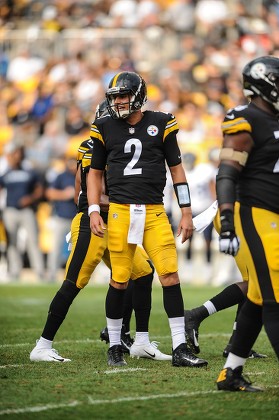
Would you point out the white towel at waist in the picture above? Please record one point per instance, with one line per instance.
(137, 223)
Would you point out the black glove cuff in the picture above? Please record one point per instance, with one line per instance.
(227, 221)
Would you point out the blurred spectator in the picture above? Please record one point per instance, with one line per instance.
(49, 146)
(148, 13)
(61, 193)
(24, 66)
(42, 108)
(180, 16)
(23, 192)
(74, 120)
(123, 14)
(4, 64)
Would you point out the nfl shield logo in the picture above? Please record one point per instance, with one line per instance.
(131, 130)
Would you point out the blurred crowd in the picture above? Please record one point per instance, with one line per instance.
(57, 57)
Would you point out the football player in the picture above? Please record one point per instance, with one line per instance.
(248, 196)
(134, 145)
(87, 251)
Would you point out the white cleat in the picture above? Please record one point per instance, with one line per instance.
(46, 355)
(149, 351)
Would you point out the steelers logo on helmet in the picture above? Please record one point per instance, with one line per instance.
(261, 78)
(258, 70)
(152, 130)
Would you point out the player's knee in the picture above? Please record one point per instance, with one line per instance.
(63, 299)
(121, 275)
(68, 290)
(168, 269)
(169, 279)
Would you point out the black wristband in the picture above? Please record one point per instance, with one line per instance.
(182, 193)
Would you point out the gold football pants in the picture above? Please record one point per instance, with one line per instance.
(258, 256)
(88, 250)
(158, 241)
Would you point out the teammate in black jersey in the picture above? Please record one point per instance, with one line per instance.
(134, 146)
(248, 196)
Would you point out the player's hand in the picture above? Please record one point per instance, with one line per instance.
(97, 225)
(185, 227)
(229, 243)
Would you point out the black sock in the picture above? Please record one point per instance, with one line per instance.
(115, 303)
(173, 301)
(271, 324)
(230, 296)
(142, 302)
(249, 325)
(58, 308)
(239, 306)
(128, 306)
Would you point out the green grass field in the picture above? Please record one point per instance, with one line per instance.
(87, 388)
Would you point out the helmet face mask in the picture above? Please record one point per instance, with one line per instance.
(133, 87)
(261, 78)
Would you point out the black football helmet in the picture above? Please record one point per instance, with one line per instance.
(101, 109)
(261, 78)
(126, 83)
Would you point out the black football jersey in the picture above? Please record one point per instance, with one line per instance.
(136, 156)
(259, 180)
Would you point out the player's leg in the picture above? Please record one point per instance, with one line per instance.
(121, 257)
(230, 296)
(258, 233)
(159, 243)
(85, 255)
(143, 276)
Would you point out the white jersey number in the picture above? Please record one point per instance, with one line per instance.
(129, 169)
(276, 167)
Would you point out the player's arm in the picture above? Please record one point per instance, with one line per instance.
(233, 157)
(173, 158)
(95, 187)
(94, 192)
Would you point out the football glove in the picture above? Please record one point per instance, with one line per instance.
(228, 241)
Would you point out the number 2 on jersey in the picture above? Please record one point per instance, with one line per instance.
(129, 169)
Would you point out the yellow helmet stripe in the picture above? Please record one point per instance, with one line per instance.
(115, 80)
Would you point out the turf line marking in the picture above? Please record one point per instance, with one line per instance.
(39, 408)
(91, 401)
(108, 372)
(11, 366)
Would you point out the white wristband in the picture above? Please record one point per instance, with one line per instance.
(93, 207)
